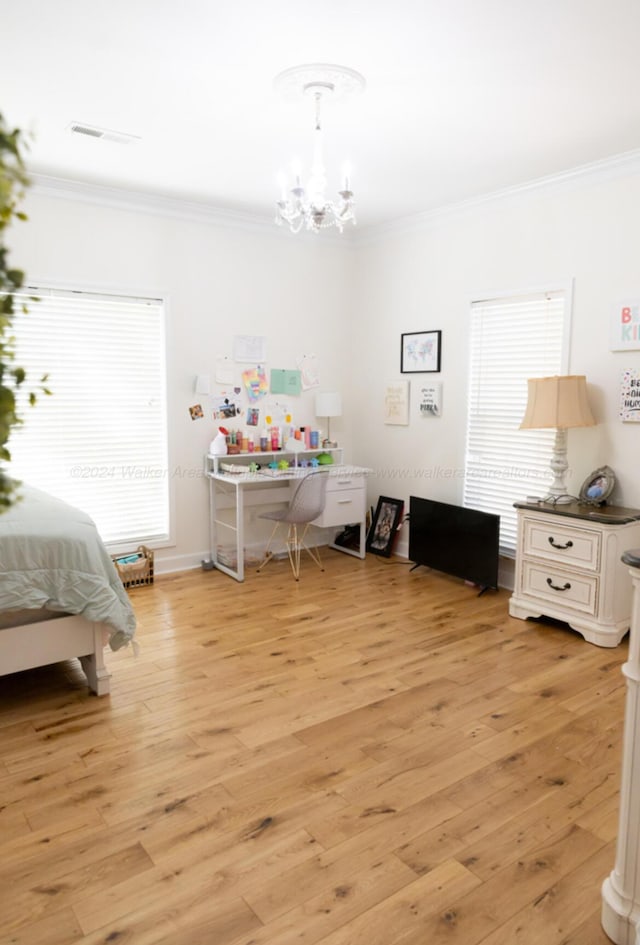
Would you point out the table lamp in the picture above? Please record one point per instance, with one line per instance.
(328, 404)
(560, 403)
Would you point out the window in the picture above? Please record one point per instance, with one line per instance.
(512, 339)
(100, 441)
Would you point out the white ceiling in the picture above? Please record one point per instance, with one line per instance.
(463, 97)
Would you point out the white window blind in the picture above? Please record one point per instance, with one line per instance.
(100, 441)
(511, 340)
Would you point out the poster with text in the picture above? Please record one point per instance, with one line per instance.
(625, 326)
(431, 400)
(630, 396)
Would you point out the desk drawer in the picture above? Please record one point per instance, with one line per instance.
(564, 588)
(343, 508)
(341, 481)
(563, 544)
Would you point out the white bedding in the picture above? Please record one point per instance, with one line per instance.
(52, 557)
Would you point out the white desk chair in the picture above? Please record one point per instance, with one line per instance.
(306, 504)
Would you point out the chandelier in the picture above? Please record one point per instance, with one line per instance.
(309, 207)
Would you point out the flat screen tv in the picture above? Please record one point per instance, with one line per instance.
(458, 541)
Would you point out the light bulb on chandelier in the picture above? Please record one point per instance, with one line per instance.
(309, 207)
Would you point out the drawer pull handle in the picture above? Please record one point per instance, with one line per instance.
(569, 544)
(555, 586)
(344, 501)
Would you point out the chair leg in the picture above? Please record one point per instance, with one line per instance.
(293, 550)
(295, 543)
(313, 552)
(268, 554)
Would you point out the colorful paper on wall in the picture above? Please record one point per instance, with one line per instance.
(285, 382)
(255, 382)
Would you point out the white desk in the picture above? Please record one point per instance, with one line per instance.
(346, 498)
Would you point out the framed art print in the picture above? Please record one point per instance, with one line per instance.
(420, 352)
(385, 523)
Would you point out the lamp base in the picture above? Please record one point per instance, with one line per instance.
(558, 490)
(329, 444)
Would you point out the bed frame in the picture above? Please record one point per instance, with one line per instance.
(50, 641)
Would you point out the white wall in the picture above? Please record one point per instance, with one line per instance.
(220, 281)
(585, 230)
(349, 306)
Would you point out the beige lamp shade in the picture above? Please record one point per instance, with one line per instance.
(558, 402)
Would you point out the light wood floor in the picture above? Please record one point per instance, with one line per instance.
(373, 756)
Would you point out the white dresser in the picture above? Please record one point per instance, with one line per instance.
(568, 566)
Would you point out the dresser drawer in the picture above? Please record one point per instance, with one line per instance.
(563, 544)
(566, 589)
(343, 508)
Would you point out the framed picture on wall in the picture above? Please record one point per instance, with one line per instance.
(420, 352)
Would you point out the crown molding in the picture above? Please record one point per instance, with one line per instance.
(607, 169)
(155, 204)
(193, 211)
(176, 208)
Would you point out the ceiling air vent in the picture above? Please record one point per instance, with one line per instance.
(91, 131)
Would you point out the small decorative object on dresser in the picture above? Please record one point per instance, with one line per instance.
(598, 486)
(568, 566)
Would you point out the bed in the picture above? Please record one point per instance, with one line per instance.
(60, 595)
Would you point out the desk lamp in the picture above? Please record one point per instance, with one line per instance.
(560, 403)
(328, 404)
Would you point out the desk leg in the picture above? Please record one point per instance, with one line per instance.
(213, 533)
(238, 572)
(240, 531)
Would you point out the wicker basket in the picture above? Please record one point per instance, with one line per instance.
(135, 573)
